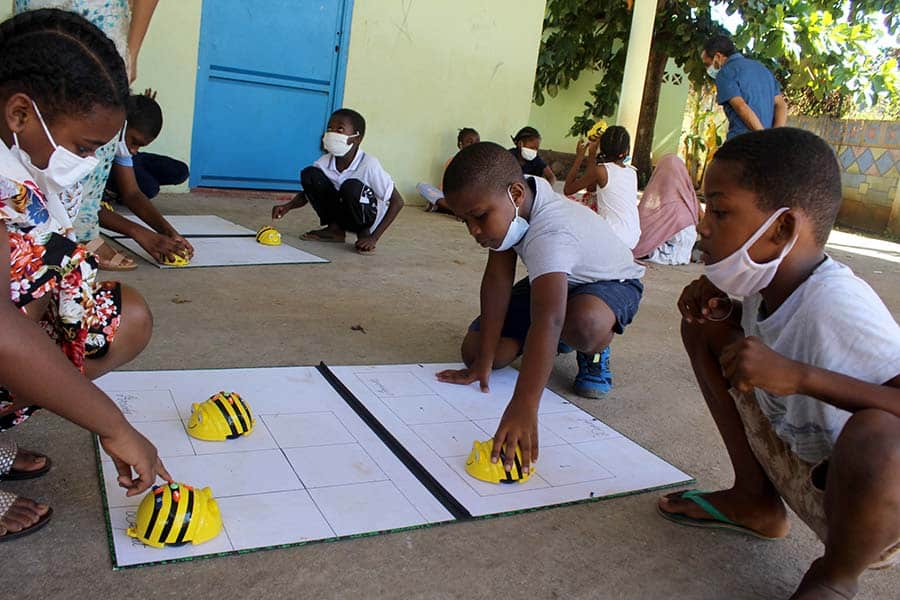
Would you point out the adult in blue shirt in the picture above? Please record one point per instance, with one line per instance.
(746, 89)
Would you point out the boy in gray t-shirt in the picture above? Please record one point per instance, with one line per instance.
(582, 286)
(802, 377)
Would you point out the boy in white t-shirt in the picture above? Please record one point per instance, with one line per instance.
(802, 377)
(583, 285)
(616, 182)
(348, 188)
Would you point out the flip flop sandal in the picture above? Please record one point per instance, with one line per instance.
(118, 262)
(7, 499)
(718, 520)
(9, 450)
(315, 236)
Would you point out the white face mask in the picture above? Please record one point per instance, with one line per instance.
(517, 228)
(337, 143)
(121, 147)
(738, 275)
(712, 70)
(64, 169)
(528, 154)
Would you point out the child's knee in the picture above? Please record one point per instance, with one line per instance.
(313, 177)
(587, 331)
(181, 172)
(871, 437)
(136, 315)
(352, 189)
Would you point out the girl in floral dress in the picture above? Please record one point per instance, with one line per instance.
(125, 22)
(62, 90)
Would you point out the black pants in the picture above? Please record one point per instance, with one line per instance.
(151, 171)
(352, 208)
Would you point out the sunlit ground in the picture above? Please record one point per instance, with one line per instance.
(855, 243)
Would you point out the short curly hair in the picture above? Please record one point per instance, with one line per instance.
(788, 167)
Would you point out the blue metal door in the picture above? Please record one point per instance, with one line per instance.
(269, 75)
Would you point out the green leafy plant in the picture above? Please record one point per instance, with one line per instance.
(820, 51)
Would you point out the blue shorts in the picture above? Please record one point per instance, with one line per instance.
(622, 297)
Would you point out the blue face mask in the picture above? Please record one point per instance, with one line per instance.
(712, 71)
(517, 228)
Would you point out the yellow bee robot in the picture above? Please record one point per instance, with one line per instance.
(176, 514)
(479, 465)
(268, 236)
(224, 416)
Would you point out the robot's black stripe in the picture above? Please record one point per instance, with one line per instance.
(246, 410)
(157, 506)
(518, 465)
(170, 519)
(509, 478)
(225, 414)
(240, 418)
(453, 506)
(187, 516)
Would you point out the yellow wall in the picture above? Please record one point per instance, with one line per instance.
(420, 71)
(168, 64)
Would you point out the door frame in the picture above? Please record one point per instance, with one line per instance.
(340, 73)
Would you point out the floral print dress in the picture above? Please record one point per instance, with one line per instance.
(82, 314)
(112, 17)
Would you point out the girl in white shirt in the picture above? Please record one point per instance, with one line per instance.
(616, 182)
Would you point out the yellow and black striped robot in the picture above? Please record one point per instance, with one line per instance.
(479, 465)
(224, 416)
(176, 514)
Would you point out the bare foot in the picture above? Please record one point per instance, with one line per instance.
(816, 586)
(27, 461)
(326, 234)
(765, 515)
(24, 513)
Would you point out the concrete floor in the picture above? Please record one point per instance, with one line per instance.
(414, 299)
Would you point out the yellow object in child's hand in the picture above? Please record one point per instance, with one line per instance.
(479, 465)
(597, 130)
(178, 261)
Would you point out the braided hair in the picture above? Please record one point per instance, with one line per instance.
(62, 62)
(525, 134)
(614, 143)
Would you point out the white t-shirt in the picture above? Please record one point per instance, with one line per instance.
(617, 202)
(833, 321)
(567, 237)
(368, 170)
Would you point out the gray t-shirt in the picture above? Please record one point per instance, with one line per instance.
(567, 237)
(833, 321)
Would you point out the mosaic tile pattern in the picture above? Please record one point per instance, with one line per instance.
(869, 155)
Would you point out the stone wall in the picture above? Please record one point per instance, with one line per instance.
(869, 155)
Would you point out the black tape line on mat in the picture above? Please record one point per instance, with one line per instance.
(452, 505)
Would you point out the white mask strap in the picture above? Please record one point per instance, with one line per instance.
(764, 227)
(515, 206)
(43, 124)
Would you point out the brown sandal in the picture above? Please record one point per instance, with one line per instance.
(9, 451)
(116, 262)
(7, 500)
